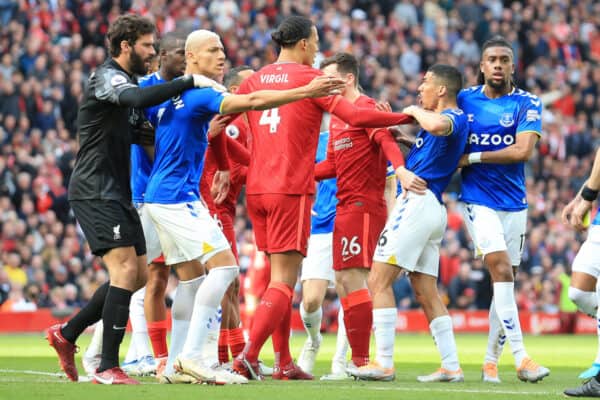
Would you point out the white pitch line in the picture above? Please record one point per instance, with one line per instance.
(31, 372)
(445, 389)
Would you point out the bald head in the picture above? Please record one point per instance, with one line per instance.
(197, 38)
(204, 54)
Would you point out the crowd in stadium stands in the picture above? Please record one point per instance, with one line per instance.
(49, 48)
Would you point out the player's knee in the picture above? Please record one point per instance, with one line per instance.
(156, 286)
(311, 303)
(375, 283)
(585, 301)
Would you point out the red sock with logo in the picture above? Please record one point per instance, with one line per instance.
(358, 318)
(157, 331)
(281, 335)
(268, 316)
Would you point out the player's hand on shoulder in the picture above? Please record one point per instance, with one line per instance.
(325, 85)
(201, 81)
(220, 186)
(410, 182)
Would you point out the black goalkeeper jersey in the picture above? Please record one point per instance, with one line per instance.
(102, 167)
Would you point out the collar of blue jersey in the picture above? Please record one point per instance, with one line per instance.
(514, 89)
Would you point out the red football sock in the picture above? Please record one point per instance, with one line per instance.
(281, 337)
(157, 331)
(236, 341)
(268, 316)
(358, 318)
(223, 349)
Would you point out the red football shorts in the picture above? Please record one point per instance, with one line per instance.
(225, 222)
(281, 222)
(355, 236)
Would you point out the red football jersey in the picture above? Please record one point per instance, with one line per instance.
(284, 139)
(238, 130)
(360, 164)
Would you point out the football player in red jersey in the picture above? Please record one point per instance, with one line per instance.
(358, 158)
(280, 183)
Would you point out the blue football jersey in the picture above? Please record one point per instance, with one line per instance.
(494, 125)
(325, 200)
(180, 146)
(435, 158)
(141, 165)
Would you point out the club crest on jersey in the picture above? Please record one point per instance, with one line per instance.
(232, 131)
(507, 120)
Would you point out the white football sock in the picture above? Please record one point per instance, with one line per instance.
(95, 346)
(341, 343)
(384, 323)
(210, 352)
(181, 313)
(496, 337)
(139, 328)
(597, 361)
(207, 300)
(443, 335)
(312, 322)
(587, 302)
(506, 308)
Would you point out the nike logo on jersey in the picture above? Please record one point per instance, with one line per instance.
(119, 328)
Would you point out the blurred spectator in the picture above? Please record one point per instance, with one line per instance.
(460, 290)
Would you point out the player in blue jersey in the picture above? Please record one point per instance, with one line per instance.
(583, 289)
(505, 125)
(587, 264)
(185, 228)
(415, 228)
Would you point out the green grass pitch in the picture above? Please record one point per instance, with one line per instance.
(28, 371)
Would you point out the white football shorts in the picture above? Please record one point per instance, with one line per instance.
(153, 248)
(588, 257)
(493, 230)
(187, 232)
(318, 263)
(413, 233)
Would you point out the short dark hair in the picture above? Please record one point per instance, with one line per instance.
(292, 30)
(346, 64)
(170, 41)
(449, 76)
(127, 27)
(232, 76)
(494, 41)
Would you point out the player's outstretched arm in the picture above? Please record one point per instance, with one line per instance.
(433, 122)
(148, 96)
(265, 99)
(520, 151)
(155, 94)
(575, 212)
(367, 117)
